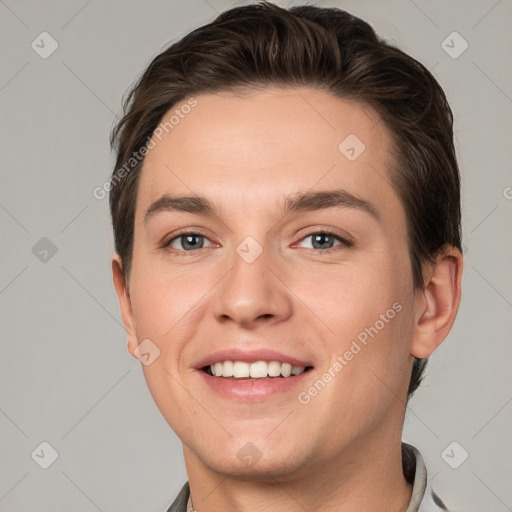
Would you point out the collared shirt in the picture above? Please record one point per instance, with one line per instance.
(423, 498)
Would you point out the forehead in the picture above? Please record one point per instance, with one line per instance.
(257, 148)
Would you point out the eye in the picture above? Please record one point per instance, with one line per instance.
(187, 242)
(326, 240)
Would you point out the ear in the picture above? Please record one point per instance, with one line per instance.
(436, 305)
(124, 303)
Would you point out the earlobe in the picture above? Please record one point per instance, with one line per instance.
(437, 303)
(125, 304)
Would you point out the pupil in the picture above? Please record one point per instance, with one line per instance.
(189, 241)
(321, 239)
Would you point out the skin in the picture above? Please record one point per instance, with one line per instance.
(247, 153)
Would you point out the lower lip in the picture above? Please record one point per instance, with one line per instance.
(254, 389)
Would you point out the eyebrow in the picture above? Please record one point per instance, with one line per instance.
(295, 203)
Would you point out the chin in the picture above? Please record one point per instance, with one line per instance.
(244, 459)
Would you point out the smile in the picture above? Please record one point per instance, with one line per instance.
(254, 370)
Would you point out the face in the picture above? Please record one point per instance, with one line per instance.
(295, 255)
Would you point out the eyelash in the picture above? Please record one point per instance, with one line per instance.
(344, 242)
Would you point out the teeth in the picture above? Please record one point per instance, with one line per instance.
(256, 370)
(286, 370)
(227, 369)
(274, 369)
(240, 369)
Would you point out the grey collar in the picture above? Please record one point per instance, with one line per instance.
(423, 498)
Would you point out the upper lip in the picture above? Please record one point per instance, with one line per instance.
(250, 356)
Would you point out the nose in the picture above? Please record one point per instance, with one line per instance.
(252, 293)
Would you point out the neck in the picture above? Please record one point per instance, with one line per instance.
(364, 478)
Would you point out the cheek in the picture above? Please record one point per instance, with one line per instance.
(368, 311)
(164, 301)
(165, 312)
(352, 297)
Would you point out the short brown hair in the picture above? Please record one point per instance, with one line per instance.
(327, 48)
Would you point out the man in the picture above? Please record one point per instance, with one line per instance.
(286, 212)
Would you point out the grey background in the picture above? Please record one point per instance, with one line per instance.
(66, 376)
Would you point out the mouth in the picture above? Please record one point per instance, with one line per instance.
(254, 371)
(257, 381)
(256, 375)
